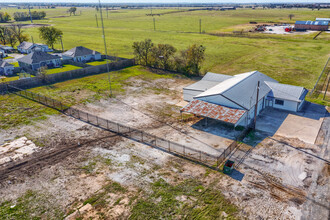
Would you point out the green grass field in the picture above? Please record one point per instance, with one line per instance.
(294, 59)
(66, 67)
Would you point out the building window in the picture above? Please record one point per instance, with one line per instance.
(279, 102)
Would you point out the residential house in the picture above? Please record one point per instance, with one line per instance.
(37, 59)
(3, 54)
(7, 49)
(233, 99)
(81, 54)
(27, 47)
(6, 68)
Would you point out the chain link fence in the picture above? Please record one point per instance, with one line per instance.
(126, 131)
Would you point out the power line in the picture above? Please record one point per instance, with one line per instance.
(105, 48)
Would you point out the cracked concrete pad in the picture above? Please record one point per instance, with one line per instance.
(305, 129)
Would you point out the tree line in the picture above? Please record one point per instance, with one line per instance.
(4, 17)
(14, 34)
(24, 16)
(165, 56)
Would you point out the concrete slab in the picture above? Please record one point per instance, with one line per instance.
(303, 128)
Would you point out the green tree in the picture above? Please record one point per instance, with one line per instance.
(142, 51)
(50, 35)
(162, 55)
(72, 10)
(3, 34)
(19, 33)
(4, 17)
(195, 57)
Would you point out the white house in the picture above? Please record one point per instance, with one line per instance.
(6, 68)
(3, 53)
(233, 99)
(37, 59)
(27, 47)
(81, 54)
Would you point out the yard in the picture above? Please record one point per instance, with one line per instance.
(64, 68)
(99, 62)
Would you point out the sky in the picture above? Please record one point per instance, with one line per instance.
(171, 1)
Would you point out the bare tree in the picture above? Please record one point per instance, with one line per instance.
(291, 16)
(19, 33)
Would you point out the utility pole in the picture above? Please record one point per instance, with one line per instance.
(256, 107)
(97, 23)
(107, 12)
(154, 24)
(200, 26)
(62, 43)
(30, 15)
(105, 49)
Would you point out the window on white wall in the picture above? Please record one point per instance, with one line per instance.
(279, 102)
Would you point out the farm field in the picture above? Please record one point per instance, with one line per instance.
(294, 59)
(54, 166)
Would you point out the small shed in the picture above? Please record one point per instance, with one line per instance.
(311, 25)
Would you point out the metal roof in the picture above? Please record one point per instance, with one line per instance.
(322, 19)
(326, 23)
(214, 111)
(79, 51)
(25, 45)
(241, 89)
(287, 92)
(208, 81)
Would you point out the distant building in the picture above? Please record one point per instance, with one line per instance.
(227, 8)
(38, 59)
(232, 99)
(7, 49)
(322, 19)
(81, 54)
(311, 25)
(6, 68)
(27, 47)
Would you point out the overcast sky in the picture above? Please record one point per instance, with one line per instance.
(173, 1)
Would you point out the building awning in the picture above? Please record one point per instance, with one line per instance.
(214, 111)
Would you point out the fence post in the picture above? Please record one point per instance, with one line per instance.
(169, 146)
(97, 120)
(87, 117)
(53, 103)
(78, 114)
(61, 106)
(107, 123)
(200, 155)
(142, 136)
(117, 128)
(184, 150)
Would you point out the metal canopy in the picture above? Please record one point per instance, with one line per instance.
(214, 111)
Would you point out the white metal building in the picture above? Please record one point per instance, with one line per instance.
(237, 96)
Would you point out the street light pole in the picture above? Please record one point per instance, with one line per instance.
(105, 48)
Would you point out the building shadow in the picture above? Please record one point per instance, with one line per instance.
(236, 175)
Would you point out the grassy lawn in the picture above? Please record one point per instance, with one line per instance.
(9, 57)
(66, 67)
(11, 78)
(15, 64)
(99, 62)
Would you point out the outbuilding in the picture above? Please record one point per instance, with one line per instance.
(311, 25)
(235, 99)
